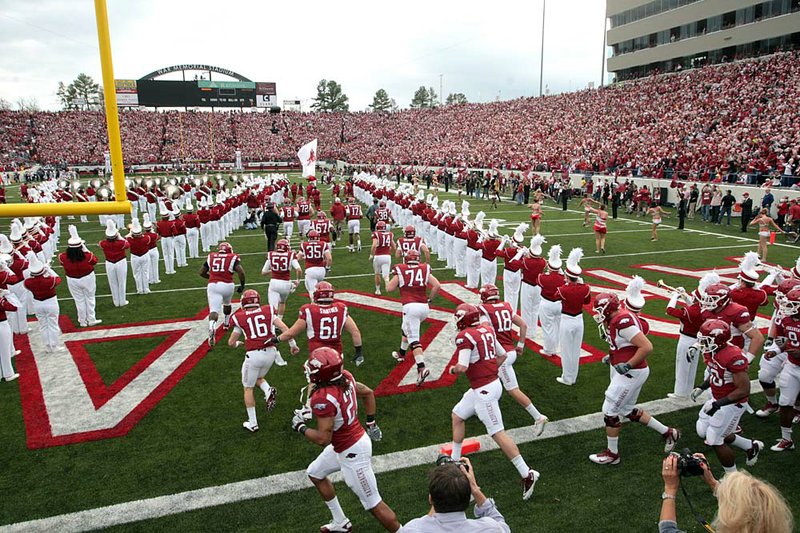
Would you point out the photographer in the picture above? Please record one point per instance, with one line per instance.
(449, 488)
(745, 504)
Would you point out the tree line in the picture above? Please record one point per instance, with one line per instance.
(331, 97)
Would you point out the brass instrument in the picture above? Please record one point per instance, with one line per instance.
(198, 182)
(172, 180)
(680, 290)
(149, 184)
(76, 186)
(104, 193)
(62, 183)
(96, 183)
(172, 191)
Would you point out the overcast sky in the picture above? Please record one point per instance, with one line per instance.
(485, 49)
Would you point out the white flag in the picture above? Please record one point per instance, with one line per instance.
(308, 158)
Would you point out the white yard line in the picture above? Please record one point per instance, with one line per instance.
(160, 506)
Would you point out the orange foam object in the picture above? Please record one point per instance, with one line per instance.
(772, 237)
(467, 447)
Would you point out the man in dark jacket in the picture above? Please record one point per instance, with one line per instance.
(683, 206)
(270, 222)
(727, 205)
(747, 211)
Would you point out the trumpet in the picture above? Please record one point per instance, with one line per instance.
(680, 290)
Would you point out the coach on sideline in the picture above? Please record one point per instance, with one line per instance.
(449, 488)
(269, 223)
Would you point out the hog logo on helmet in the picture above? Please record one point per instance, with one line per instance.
(790, 303)
(380, 226)
(382, 204)
(716, 297)
(313, 235)
(250, 298)
(605, 304)
(282, 245)
(489, 292)
(324, 365)
(714, 334)
(323, 292)
(225, 248)
(412, 257)
(410, 232)
(351, 200)
(466, 315)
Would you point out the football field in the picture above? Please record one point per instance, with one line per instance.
(138, 427)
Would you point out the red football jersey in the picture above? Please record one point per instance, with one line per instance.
(221, 267)
(721, 368)
(287, 213)
(735, 315)
(256, 324)
(550, 282)
(480, 340)
(622, 328)
(789, 327)
(324, 325)
(749, 297)
(332, 401)
(78, 269)
(384, 242)
(573, 297)
(353, 212)
(280, 264)
(690, 317)
(407, 245)
(314, 253)
(500, 315)
(413, 282)
(323, 227)
(303, 210)
(382, 214)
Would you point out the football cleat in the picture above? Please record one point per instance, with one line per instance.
(358, 360)
(671, 439)
(212, 338)
(783, 445)
(252, 428)
(399, 358)
(606, 457)
(273, 393)
(767, 410)
(422, 375)
(538, 427)
(752, 453)
(343, 526)
(528, 483)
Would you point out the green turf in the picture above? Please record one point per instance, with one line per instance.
(113, 358)
(193, 437)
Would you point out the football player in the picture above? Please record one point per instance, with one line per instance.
(629, 348)
(280, 263)
(288, 213)
(414, 279)
(323, 321)
(347, 446)
(502, 319)
(323, 226)
(787, 347)
(317, 258)
(382, 214)
(256, 323)
(479, 353)
(354, 216)
(380, 254)
(730, 387)
(411, 241)
(304, 212)
(716, 303)
(218, 270)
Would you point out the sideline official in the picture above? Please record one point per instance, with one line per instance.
(270, 221)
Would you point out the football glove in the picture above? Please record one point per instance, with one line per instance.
(692, 352)
(304, 412)
(298, 422)
(240, 288)
(712, 409)
(622, 368)
(374, 432)
(606, 360)
(695, 394)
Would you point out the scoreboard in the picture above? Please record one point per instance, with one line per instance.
(198, 93)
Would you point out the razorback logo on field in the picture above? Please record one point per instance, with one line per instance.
(64, 399)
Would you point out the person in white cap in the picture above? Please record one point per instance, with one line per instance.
(140, 256)
(573, 295)
(473, 252)
(6, 337)
(204, 216)
(634, 301)
(79, 264)
(114, 248)
(550, 309)
(152, 253)
(179, 241)
(746, 293)
(166, 232)
(491, 244)
(531, 294)
(192, 222)
(18, 320)
(42, 283)
(512, 262)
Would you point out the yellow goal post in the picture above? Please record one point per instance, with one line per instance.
(121, 205)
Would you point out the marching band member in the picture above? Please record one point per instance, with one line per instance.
(139, 243)
(473, 253)
(531, 292)
(79, 264)
(746, 293)
(6, 337)
(204, 216)
(550, 309)
(490, 245)
(573, 295)
(690, 316)
(42, 283)
(192, 221)
(166, 234)
(460, 240)
(152, 253)
(114, 248)
(512, 262)
(18, 319)
(179, 240)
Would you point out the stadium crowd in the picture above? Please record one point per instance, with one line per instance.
(717, 120)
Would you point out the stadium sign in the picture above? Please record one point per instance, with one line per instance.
(179, 68)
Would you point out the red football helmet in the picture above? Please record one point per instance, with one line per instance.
(251, 298)
(713, 335)
(790, 303)
(313, 235)
(323, 293)
(282, 245)
(489, 292)
(410, 231)
(225, 248)
(412, 257)
(716, 297)
(466, 315)
(321, 215)
(324, 365)
(382, 204)
(351, 200)
(380, 226)
(605, 304)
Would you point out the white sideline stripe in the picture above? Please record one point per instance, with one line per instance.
(160, 506)
(659, 252)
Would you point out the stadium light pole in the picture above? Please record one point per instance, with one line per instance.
(603, 62)
(541, 58)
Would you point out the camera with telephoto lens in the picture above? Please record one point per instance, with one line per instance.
(445, 459)
(688, 464)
